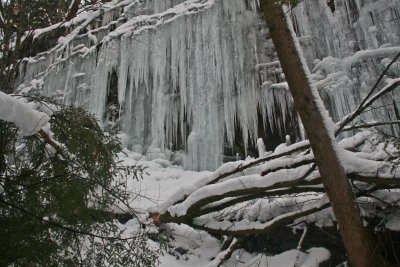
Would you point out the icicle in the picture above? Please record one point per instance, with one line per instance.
(287, 140)
(186, 70)
(261, 148)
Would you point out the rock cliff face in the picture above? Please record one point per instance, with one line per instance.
(200, 75)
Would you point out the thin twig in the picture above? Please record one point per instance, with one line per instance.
(364, 104)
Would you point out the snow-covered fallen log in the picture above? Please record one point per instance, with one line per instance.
(288, 175)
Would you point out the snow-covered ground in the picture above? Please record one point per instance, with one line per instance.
(161, 182)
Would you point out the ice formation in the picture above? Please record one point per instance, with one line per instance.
(261, 148)
(196, 75)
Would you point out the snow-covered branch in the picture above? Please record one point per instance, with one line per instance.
(29, 120)
(25, 117)
(289, 175)
(240, 228)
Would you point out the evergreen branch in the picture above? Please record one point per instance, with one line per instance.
(61, 226)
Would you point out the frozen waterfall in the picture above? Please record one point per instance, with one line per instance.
(196, 75)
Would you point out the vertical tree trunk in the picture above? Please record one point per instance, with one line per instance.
(72, 10)
(361, 249)
(60, 9)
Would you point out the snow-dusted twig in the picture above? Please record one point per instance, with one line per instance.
(223, 255)
(302, 238)
(296, 263)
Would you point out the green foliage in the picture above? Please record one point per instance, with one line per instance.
(56, 205)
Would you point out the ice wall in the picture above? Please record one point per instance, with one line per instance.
(355, 43)
(354, 25)
(185, 70)
(196, 74)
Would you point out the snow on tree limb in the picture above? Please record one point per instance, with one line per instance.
(15, 110)
(230, 170)
(246, 228)
(241, 186)
(300, 179)
(283, 175)
(28, 119)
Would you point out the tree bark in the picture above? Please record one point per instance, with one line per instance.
(361, 249)
(72, 10)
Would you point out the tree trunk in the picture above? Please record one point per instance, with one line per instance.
(361, 249)
(72, 10)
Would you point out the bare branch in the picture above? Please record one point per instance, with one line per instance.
(367, 102)
(51, 142)
(369, 125)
